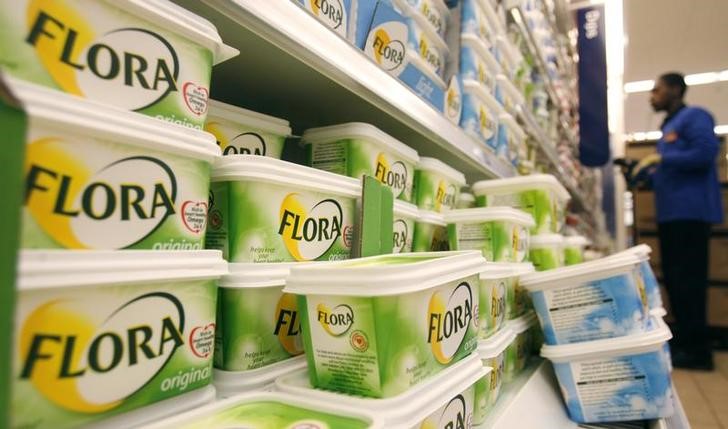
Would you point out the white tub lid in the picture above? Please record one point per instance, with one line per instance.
(512, 125)
(466, 197)
(489, 214)
(477, 89)
(266, 169)
(415, 404)
(543, 240)
(405, 209)
(492, 16)
(603, 349)
(170, 16)
(576, 240)
(233, 382)
(497, 270)
(253, 275)
(374, 276)
(228, 112)
(496, 344)
(363, 131)
(521, 183)
(433, 164)
(224, 405)
(430, 30)
(642, 251)
(510, 89)
(97, 120)
(426, 216)
(579, 273)
(658, 312)
(481, 46)
(425, 68)
(39, 269)
(522, 323)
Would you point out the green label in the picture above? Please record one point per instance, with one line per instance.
(403, 234)
(273, 415)
(498, 241)
(433, 192)
(458, 412)
(98, 51)
(262, 222)
(430, 238)
(356, 158)
(540, 204)
(238, 139)
(492, 305)
(256, 327)
(354, 347)
(573, 255)
(82, 354)
(84, 193)
(546, 258)
(516, 355)
(487, 389)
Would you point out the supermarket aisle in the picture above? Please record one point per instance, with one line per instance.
(705, 394)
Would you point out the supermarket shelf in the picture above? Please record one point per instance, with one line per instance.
(293, 67)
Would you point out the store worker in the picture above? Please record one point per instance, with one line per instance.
(687, 201)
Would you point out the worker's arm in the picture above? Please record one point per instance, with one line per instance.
(702, 144)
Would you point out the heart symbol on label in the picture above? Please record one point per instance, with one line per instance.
(194, 215)
(202, 340)
(195, 97)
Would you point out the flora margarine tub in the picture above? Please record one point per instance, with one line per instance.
(434, 11)
(403, 229)
(151, 57)
(519, 350)
(500, 233)
(437, 185)
(240, 131)
(541, 195)
(271, 410)
(98, 177)
(480, 113)
(357, 149)
(574, 249)
(266, 210)
(100, 333)
(616, 379)
(231, 383)
(257, 324)
(424, 39)
(447, 400)
(492, 352)
(377, 326)
(505, 275)
(589, 301)
(466, 200)
(430, 233)
(646, 275)
(546, 251)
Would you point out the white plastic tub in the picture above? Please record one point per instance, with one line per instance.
(626, 378)
(266, 210)
(231, 383)
(646, 275)
(257, 324)
(356, 149)
(480, 113)
(539, 194)
(434, 11)
(430, 233)
(588, 301)
(517, 300)
(348, 307)
(147, 56)
(437, 185)
(98, 177)
(546, 251)
(424, 39)
(513, 138)
(492, 352)
(102, 333)
(519, 350)
(264, 410)
(477, 62)
(473, 21)
(500, 233)
(512, 97)
(466, 200)
(433, 403)
(574, 249)
(243, 132)
(405, 217)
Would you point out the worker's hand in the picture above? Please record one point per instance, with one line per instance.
(646, 162)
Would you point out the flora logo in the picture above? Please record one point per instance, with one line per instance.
(72, 357)
(393, 175)
(448, 321)
(429, 54)
(445, 195)
(455, 415)
(331, 13)
(400, 236)
(336, 321)
(288, 325)
(133, 68)
(486, 123)
(498, 303)
(453, 101)
(308, 233)
(114, 207)
(521, 239)
(386, 45)
(245, 144)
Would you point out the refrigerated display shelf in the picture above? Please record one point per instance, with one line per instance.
(293, 67)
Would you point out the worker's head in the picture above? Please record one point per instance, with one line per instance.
(668, 91)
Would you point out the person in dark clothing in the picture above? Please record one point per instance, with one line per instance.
(688, 201)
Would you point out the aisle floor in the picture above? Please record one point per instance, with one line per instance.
(704, 395)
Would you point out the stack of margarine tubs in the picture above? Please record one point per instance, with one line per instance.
(115, 311)
(603, 331)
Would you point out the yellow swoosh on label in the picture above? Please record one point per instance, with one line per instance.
(291, 343)
(215, 129)
(437, 306)
(316, 9)
(384, 36)
(323, 308)
(291, 203)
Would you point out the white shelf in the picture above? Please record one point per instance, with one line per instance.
(293, 67)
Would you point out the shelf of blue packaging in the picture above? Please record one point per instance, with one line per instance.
(293, 67)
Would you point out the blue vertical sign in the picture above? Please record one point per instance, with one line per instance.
(593, 123)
